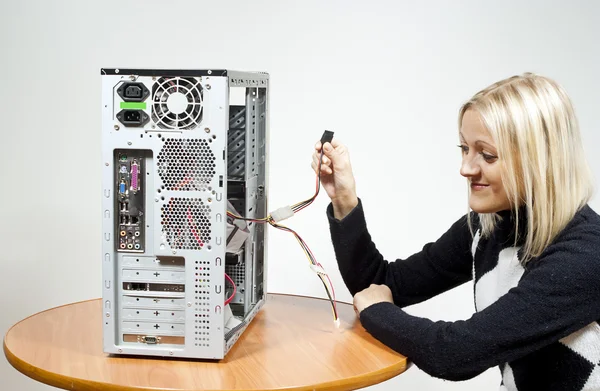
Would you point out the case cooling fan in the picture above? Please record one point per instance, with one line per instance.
(177, 103)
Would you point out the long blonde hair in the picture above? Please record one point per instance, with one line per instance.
(533, 124)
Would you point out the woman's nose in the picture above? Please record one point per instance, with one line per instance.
(469, 167)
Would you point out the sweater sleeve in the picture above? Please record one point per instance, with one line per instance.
(557, 296)
(440, 266)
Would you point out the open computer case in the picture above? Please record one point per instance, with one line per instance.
(181, 149)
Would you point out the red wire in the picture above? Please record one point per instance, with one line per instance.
(172, 84)
(321, 266)
(184, 182)
(193, 229)
(314, 258)
(274, 224)
(332, 289)
(234, 289)
(316, 192)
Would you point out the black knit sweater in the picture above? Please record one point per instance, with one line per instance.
(538, 322)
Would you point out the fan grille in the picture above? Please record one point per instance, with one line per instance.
(177, 103)
(186, 164)
(186, 223)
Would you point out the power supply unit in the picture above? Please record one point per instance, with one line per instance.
(181, 149)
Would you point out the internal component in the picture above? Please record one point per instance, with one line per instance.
(237, 231)
(130, 220)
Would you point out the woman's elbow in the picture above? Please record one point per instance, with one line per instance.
(450, 369)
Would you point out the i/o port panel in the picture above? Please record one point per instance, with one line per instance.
(129, 195)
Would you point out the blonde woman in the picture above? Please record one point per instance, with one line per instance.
(530, 243)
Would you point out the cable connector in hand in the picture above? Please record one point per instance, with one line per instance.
(282, 213)
(326, 137)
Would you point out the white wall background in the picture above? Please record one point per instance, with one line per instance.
(387, 76)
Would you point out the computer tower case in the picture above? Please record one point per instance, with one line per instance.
(180, 149)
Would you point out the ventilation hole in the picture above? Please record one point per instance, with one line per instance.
(197, 158)
(189, 109)
(185, 223)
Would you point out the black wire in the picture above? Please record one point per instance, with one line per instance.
(329, 295)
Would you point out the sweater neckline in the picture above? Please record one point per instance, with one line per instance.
(507, 224)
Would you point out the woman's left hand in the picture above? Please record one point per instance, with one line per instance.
(372, 295)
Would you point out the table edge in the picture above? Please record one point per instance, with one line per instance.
(70, 383)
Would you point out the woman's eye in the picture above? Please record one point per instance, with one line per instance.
(487, 157)
(463, 148)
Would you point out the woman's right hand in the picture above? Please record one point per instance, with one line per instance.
(336, 176)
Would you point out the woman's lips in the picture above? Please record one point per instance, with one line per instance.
(478, 186)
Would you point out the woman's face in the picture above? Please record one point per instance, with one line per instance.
(481, 166)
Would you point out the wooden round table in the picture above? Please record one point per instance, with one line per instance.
(292, 344)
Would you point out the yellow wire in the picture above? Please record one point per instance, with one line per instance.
(301, 202)
(327, 287)
(295, 236)
(308, 199)
(270, 220)
(330, 294)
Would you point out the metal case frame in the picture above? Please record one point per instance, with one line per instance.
(165, 295)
